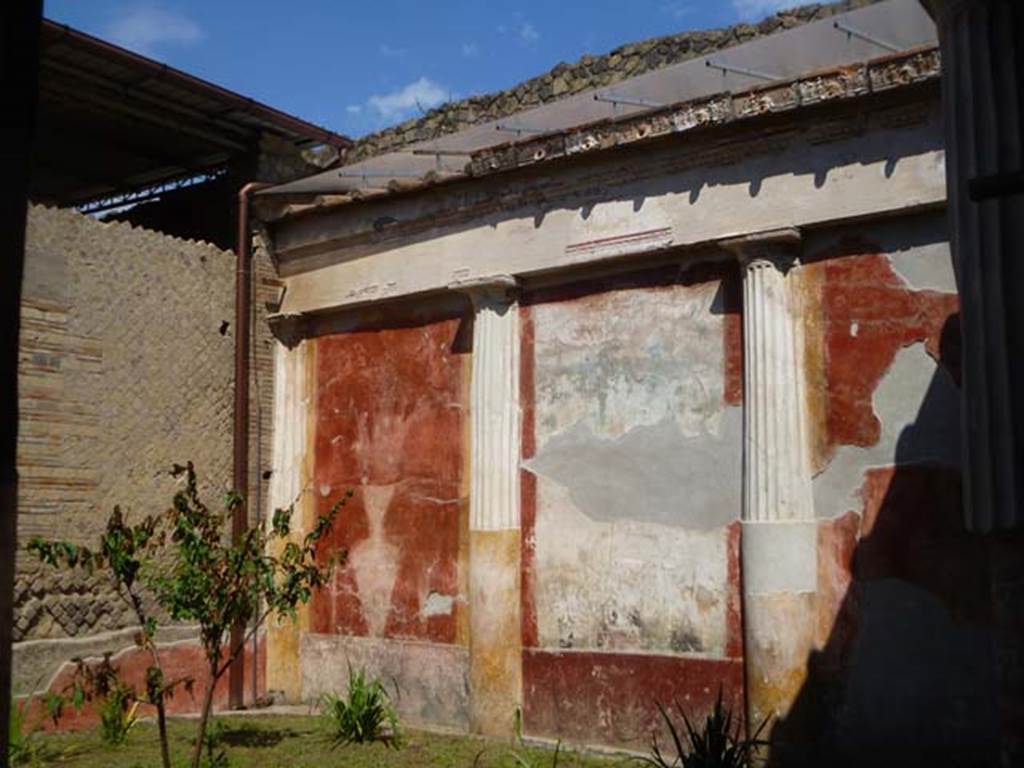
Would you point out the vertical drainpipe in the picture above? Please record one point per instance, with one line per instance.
(240, 442)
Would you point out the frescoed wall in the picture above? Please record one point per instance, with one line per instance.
(631, 499)
(390, 419)
(904, 613)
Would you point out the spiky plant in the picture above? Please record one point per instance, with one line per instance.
(721, 743)
(364, 714)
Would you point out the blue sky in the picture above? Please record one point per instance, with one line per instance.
(356, 67)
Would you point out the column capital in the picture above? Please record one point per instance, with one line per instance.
(490, 290)
(288, 329)
(779, 247)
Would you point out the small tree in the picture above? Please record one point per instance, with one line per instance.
(195, 572)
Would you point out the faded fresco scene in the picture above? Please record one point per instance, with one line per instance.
(660, 407)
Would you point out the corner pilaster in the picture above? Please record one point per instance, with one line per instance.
(291, 475)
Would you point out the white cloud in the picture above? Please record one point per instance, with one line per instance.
(470, 50)
(419, 94)
(679, 10)
(528, 33)
(751, 10)
(391, 53)
(144, 28)
(525, 31)
(354, 109)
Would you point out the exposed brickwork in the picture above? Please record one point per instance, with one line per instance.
(124, 369)
(589, 72)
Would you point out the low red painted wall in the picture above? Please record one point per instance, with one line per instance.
(179, 661)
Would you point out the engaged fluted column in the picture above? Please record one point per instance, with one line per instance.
(778, 544)
(495, 643)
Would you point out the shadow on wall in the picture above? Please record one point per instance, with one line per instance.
(906, 676)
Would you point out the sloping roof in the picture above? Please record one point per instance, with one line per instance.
(589, 72)
(884, 27)
(111, 121)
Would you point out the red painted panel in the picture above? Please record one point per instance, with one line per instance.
(611, 698)
(527, 480)
(390, 410)
(838, 610)
(732, 309)
(734, 604)
(862, 292)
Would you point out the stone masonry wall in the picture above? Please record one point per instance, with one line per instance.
(126, 366)
(630, 60)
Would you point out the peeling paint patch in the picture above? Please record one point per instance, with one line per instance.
(861, 289)
(650, 473)
(438, 605)
(918, 407)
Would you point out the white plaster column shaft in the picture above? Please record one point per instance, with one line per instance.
(289, 441)
(494, 408)
(778, 545)
(495, 632)
(777, 485)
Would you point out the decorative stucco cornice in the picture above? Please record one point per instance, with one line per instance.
(842, 83)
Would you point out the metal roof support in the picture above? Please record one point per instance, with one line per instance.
(518, 129)
(121, 199)
(726, 68)
(380, 175)
(851, 32)
(616, 99)
(442, 152)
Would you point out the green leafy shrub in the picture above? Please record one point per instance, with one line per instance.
(19, 735)
(364, 714)
(214, 755)
(117, 714)
(98, 680)
(719, 744)
(25, 743)
(195, 570)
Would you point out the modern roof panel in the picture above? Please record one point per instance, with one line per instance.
(110, 120)
(819, 45)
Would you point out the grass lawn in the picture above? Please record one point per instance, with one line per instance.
(298, 742)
